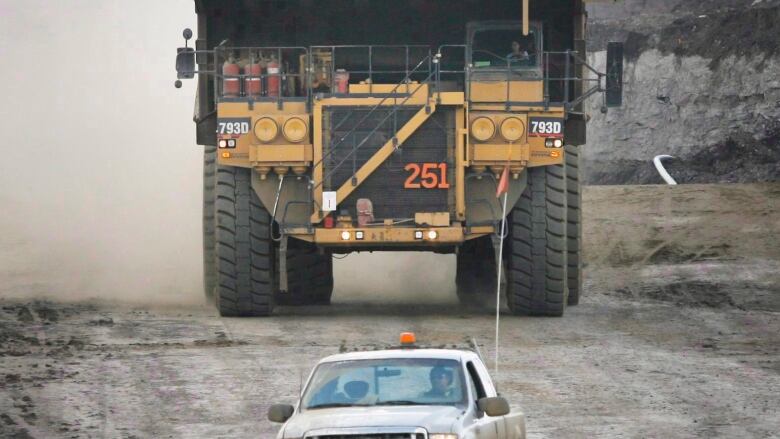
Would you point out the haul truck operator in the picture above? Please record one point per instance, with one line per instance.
(327, 135)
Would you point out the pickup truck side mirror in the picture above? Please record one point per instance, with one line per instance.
(495, 406)
(280, 413)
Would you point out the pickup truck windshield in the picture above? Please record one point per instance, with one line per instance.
(407, 381)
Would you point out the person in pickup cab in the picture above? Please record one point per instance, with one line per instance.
(441, 383)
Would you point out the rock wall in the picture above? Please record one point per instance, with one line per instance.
(702, 83)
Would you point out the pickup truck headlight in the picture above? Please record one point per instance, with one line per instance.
(443, 436)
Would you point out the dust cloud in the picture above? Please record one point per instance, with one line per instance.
(417, 278)
(100, 176)
(100, 173)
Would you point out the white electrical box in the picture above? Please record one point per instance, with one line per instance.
(329, 201)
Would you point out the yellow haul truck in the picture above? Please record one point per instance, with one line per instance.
(355, 125)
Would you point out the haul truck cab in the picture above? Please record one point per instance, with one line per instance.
(318, 149)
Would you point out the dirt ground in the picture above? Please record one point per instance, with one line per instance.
(677, 336)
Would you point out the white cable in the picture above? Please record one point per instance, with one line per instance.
(661, 170)
(498, 282)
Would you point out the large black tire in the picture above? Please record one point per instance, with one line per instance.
(475, 275)
(536, 276)
(574, 224)
(245, 251)
(209, 223)
(309, 275)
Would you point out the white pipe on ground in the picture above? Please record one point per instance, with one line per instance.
(662, 171)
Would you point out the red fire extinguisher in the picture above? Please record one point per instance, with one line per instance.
(342, 81)
(274, 78)
(231, 86)
(253, 86)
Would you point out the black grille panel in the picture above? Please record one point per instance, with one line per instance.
(372, 436)
(431, 143)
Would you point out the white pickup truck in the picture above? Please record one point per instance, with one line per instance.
(403, 393)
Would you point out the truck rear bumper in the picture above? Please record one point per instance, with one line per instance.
(393, 236)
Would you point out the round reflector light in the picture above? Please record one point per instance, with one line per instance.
(295, 130)
(266, 129)
(512, 129)
(483, 129)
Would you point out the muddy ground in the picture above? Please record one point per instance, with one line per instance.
(678, 335)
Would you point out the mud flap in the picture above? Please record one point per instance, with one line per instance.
(283, 284)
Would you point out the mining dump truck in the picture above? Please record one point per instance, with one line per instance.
(356, 125)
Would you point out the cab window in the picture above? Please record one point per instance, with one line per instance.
(502, 48)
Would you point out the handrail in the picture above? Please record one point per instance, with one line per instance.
(379, 105)
(365, 139)
(549, 76)
(434, 66)
(370, 54)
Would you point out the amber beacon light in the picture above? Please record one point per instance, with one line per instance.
(408, 338)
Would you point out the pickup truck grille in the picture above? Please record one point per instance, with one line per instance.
(372, 436)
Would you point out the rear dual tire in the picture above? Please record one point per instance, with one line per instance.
(309, 276)
(475, 276)
(240, 260)
(541, 239)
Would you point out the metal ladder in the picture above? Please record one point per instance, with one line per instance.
(399, 135)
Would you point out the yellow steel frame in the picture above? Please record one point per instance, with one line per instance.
(386, 150)
(461, 162)
(389, 235)
(467, 153)
(419, 118)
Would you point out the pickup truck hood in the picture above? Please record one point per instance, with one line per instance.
(435, 419)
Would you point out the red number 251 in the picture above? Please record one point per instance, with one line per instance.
(431, 176)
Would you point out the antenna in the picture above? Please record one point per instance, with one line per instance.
(300, 382)
(476, 348)
(500, 265)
